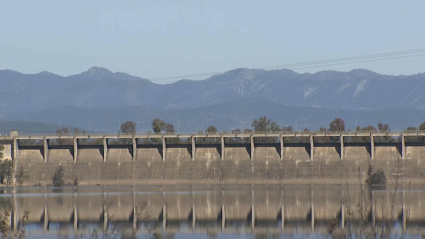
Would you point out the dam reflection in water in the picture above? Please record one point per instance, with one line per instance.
(205, 211)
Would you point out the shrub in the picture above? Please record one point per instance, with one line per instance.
(375, 177)
(6, 172)
(76, 181)
(58, 177)
(20, 175)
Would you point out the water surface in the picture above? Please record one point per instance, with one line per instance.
(213, 211)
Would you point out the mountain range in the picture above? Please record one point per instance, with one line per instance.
(228, 100)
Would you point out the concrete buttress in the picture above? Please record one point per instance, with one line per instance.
(105, 149)
(46, 149)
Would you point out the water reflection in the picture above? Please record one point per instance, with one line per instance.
(206, 211)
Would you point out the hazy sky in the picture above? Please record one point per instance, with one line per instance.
(156, 39)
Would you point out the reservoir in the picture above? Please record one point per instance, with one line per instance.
(214, 211)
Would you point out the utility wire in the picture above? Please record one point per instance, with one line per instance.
(294, 66)
(301, 64)
(345, 63)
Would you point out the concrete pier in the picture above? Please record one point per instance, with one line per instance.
(15, 148)
(372, 147)
(75, 141)
(46, 149)
(134, 140)
(75, 217)
(281, 147)
(193, 147)
(222, 148)
(45, 219)
(403, 147)
(252, 147)
(223, 218)
(164, 148)
(105, 149)
(311, 147)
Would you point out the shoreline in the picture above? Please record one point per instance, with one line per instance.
(312, 181)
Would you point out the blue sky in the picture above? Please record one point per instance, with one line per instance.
(154, 39)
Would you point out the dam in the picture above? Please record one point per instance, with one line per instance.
(302, 157)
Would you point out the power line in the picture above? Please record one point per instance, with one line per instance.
(308, 66)
(350, 58)
(303, 64)
(345, 63)
(322, 65)
(293, 66)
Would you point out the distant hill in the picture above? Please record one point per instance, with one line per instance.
(28, 127)
(226, 116)
(102, 89)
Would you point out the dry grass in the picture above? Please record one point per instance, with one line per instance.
(360, 215)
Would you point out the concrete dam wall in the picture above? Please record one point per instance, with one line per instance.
(132, 161)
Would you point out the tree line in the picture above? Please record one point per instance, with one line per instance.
(260, 125)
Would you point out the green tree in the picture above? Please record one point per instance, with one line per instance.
(288, 128)
(261, 124)
(364, 139)
(369, 128)
(422, 126)
(265, 125)
(169, 128)
(128, 128)
(211, 130)
(274, 127)
(63, 132)
(411, 128)
(384, 127)
(158, 125)
(337, 124)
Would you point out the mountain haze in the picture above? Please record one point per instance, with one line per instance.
(103, 89)
(227, 116)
